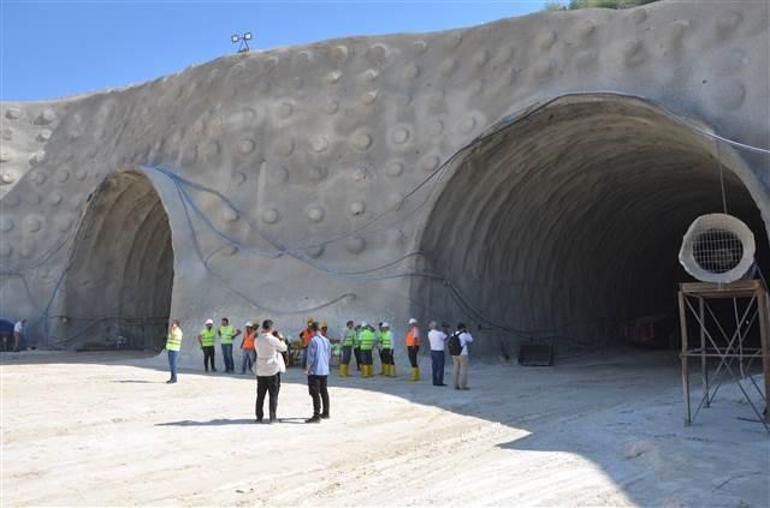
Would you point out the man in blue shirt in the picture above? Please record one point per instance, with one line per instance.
(319, 352)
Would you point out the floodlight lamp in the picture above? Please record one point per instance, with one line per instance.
(235, 38)
(247, 36)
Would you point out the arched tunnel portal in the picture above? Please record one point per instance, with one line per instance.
(117, 291)
(567, 222)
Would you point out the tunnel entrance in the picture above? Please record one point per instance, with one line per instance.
(118, 286)
(566, 225)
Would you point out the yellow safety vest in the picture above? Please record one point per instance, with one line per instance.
(386, 340)
(207, 337)
(226, 332)
(349, 339)
(174, 340)
(367, 340)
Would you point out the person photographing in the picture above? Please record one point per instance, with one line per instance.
(269, 363)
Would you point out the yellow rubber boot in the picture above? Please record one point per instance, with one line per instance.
(392, 371)
(343, 370)
(415, 374)
(363, 371)
(383, 370)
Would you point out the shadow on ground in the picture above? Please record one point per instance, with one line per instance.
(622, 411)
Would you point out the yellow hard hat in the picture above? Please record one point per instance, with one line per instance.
(324, 324)
(309, 320)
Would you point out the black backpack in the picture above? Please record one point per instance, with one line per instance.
(454, 345)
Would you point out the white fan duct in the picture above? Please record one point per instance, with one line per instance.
(717, 248)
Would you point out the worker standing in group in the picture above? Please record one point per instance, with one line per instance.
(207, 338)
(348, 339)
(248, 349)
(413, 347)
(385, 341)
(305, 335)
(357, 347)
(173, 346)
(458, 348)
(226, 334)
(384, 348)
(437, 339)
(367, 344)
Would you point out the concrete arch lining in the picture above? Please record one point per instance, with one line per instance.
(120, 275)
(567, 219)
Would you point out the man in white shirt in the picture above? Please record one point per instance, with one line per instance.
(437, 339)
(18, 333)
(460, 361)
(269, 363)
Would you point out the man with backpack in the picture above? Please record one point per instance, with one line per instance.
(458, 349)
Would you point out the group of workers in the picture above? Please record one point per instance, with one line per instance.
(359, 342)
(267, 349)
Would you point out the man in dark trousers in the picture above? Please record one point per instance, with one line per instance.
(206, 339)
(269, 364)
(319, 352)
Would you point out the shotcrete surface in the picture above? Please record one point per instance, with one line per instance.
(316, 179)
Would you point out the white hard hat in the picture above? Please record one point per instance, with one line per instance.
(209, 321)
(385, 325)
(364, 323)
(249, 323)
(413, 321)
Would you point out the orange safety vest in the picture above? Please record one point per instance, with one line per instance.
(306, 336)
(412, 338)
(248, 340)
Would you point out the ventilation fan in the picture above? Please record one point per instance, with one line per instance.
(717, 248)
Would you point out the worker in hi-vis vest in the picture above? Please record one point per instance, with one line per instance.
(226, 334)
(207, 338)
(366, 337)
(413, 347)
(385, 340)
(348, 340)
(357, 347)
(305, 336)
(173, 346)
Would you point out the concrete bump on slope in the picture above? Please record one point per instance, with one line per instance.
(301, 180)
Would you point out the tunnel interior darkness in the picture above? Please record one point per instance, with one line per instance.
(567, 223)
(118, 286)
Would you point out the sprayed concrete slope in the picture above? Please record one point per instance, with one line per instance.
(532, 175)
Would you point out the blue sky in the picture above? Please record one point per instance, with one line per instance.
(52, 49)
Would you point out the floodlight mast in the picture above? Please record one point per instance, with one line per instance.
(243, 39)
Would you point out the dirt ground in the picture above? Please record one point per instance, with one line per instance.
(95, 429)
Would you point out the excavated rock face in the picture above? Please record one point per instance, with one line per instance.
(379, 178)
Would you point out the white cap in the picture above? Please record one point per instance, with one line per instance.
(385, 325)
(209, 322)
(364, 323)
(249, 323)
(413, 321)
